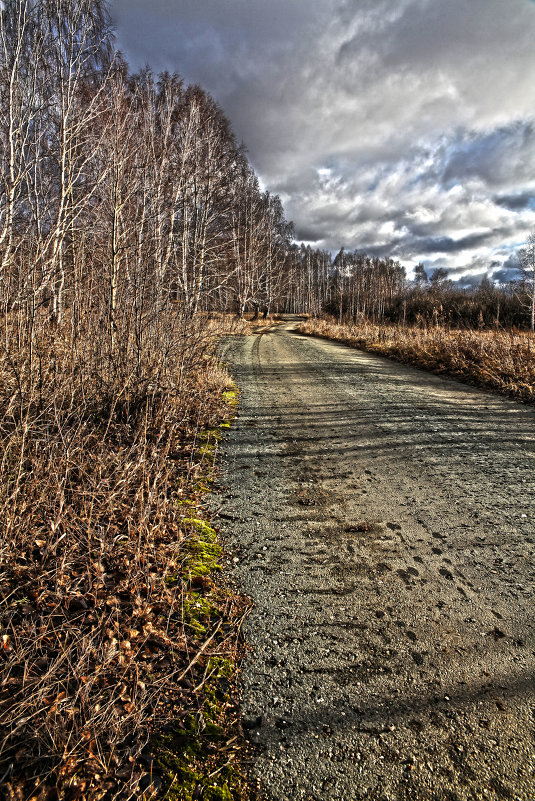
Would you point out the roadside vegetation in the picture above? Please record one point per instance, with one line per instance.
(497, 359)
(119, 642)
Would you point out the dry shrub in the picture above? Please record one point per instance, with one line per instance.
(97, 458)
(501, 360)
(229, 324)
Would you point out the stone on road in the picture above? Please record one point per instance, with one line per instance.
(383, 522)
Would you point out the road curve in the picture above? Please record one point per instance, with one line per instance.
(382, 519)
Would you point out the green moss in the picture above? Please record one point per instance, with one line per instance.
(201, 487)
(220, 668)
(207, 453)
(210, 434)
(202, 527)
(189, 756)
(185, 502)
(230, 397)
(198, 611)
(202, 559)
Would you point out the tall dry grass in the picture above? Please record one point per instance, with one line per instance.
(499, 359)
(96, 461)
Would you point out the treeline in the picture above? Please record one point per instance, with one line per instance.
(355, 287)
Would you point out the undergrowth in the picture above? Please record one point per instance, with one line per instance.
(499, 359)
(118, 641)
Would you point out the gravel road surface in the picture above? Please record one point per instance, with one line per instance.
(382, 519)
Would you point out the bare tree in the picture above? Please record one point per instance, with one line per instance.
(22, 107)
(526, 258)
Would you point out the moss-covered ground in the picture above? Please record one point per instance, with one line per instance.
(198, 756)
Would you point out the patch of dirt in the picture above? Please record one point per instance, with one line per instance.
(383, 522)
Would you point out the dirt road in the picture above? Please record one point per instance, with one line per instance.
(383, 521)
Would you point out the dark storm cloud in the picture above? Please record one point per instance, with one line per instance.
(497, 158)
(509, 270)
(505, 275)
(470, 281)
(404, 128)
(309, 235)
(445, 244)
(516, 202)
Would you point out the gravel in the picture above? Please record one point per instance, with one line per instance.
(382, 519)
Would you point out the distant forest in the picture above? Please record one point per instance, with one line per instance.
(124, 195)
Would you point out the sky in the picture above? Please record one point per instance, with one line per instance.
(400, 128)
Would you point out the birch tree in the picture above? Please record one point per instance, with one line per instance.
(527, 266)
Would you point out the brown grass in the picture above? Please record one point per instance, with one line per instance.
(229, 324)
(499, 360)
(99, 484)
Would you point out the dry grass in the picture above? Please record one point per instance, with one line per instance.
(108, 615)
(229, 324)
(500, 360)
